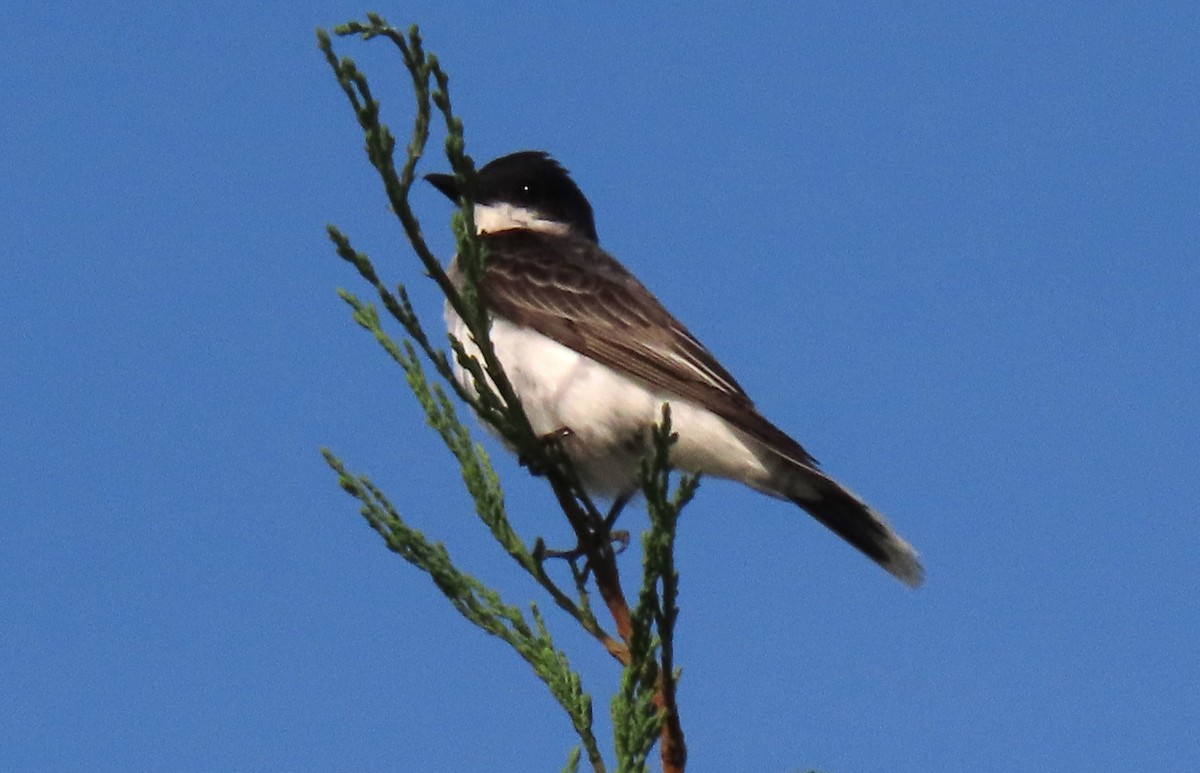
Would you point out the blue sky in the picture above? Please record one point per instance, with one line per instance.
(955, 249)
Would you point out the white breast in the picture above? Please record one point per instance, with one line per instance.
(608, 415)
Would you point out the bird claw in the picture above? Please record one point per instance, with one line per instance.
(619, 540)
(549, 439)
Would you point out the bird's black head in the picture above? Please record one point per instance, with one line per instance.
(528, 189)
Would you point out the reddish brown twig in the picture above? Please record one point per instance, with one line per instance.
(671, 745)
(597, 547)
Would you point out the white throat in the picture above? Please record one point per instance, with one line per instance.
(490, 218)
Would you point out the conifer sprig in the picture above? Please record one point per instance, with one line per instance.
(644, 708)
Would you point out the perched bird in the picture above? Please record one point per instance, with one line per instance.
(593, 355)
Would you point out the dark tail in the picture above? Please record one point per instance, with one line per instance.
(851, 519)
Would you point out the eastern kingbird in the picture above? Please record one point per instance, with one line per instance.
(593, 355)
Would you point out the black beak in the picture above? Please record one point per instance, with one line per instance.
(444, 183)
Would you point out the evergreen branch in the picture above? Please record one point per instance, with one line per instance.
(645, 707)
(659, 559)
(499, 408)
(380, 147)
(478, 475)
(476, 602)
(399, 307)
(511, 422)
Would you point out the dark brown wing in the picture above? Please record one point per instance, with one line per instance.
(572, 291)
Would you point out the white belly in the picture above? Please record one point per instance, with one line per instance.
(608, 415)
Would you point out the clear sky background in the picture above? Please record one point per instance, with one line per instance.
(953, 248)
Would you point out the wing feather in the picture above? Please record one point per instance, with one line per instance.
(577, 294)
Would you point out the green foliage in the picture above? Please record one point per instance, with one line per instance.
(651, 674)
(643, 708)
(475, 601)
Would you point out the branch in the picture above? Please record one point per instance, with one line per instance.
(647, 705)
(647, 710)
(476, 602)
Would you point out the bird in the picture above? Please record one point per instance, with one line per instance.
(593, 355)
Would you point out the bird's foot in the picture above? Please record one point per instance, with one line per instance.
(552, 440)
(619, 540)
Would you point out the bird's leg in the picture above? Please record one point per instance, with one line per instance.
(617, 506)
(619, 538)
(571, 555)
